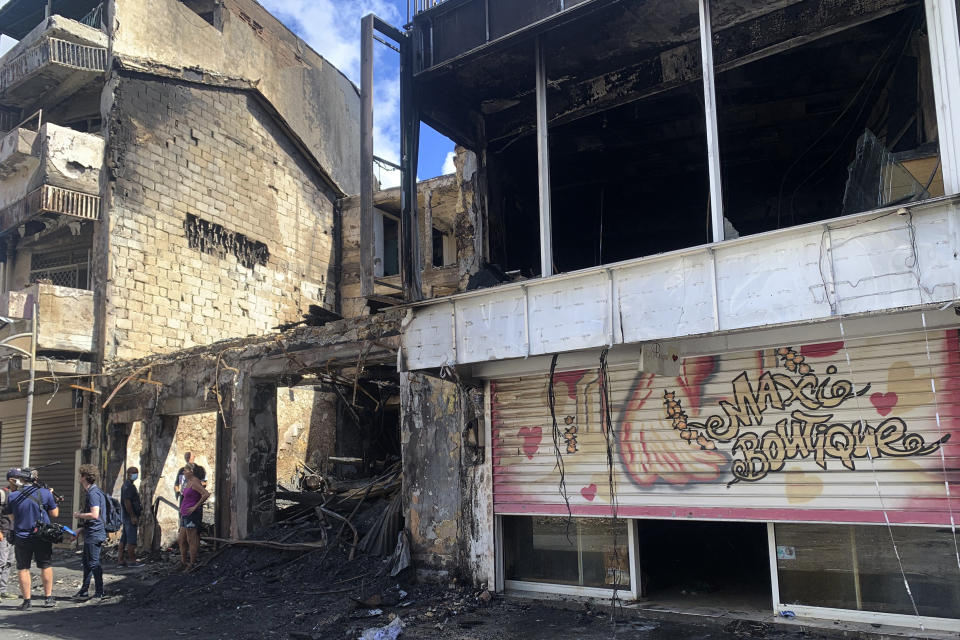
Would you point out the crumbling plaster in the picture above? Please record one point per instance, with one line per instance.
(315, 99)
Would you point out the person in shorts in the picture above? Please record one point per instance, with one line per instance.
(191, 514)
(132, 508)
(30, 504)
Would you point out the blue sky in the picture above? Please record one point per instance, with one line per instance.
(332, 28)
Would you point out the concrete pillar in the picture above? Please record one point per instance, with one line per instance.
(249, 476)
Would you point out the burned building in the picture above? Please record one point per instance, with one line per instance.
(722, 368)
(158, 190)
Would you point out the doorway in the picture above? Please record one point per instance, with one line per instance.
(705, 564)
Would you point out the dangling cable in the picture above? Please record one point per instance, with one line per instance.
(557, 437)
(876, 482)
(610, 438)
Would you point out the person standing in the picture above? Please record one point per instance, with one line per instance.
(181, 481)
(132, 508)
(94, 533)
(30, 504)
(6, 536)
(191, 514)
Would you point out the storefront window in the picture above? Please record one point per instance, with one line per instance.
(855, 567)
(593, 552)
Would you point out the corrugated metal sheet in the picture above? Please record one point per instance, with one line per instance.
(55, 436)
(774, 435)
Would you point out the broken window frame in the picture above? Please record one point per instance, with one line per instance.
(849, 615)
(632, 544)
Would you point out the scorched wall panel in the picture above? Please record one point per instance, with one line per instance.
(787, 434)
(218, 225)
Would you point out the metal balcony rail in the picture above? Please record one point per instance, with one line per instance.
(419, 6)
(94, 18)
(56, 51)
(49, 199)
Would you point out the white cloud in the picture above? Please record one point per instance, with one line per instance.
(448, 165)
(6, 43)
(332, 28)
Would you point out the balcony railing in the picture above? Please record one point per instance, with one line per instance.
(419, 6)
(52, 51)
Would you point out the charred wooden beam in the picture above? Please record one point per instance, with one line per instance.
(761, 37)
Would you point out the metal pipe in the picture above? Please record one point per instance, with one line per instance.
(28, 418)
(366, 156)
(543, 163)
(48, 10)
(710, 109)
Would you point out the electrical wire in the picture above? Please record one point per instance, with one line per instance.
(610, 439)
(557, 437)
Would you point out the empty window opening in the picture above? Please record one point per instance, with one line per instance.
(840, 125)
(444, 248)
(707, 563)
(386, 231)
(206, 9)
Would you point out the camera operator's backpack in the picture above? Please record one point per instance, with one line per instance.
(112, 520)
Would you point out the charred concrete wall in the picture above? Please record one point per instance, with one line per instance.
(446, 478)
(452, 245)
(218, 226)
(306, 431)
(246, 46)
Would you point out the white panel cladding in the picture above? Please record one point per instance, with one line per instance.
(428, 338)
(760, 287)
(494, 327)
(664, 295)
(868, 263)
(567, 315)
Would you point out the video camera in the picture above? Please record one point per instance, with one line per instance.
(31, 475)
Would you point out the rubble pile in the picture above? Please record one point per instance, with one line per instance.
(308, 576)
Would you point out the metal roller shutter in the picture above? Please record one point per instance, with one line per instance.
(55, 436)
(789, 434)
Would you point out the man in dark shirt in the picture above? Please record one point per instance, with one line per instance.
(130, 499)
(94, 533)
(181, 478)
(30, 504)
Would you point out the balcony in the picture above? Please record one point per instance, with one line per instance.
(880, 261)
(51, 171)
(64, 317)
(56, 59)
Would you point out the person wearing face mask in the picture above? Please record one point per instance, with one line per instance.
(132, 508)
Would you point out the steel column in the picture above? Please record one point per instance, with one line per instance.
(945, 62)
(710, 108)
(543, 163)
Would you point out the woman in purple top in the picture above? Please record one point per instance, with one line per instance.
(191, 513)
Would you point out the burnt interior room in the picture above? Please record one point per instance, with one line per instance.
(721, 562)
(839, 124)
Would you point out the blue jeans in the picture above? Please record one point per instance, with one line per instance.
(91, 565)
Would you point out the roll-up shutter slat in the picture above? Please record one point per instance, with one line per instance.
(55, 436)
(789, 434)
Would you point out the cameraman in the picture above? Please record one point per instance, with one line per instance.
(29, 505)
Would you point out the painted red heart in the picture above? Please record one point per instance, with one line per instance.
(589, 492)
(884, 402)
(531, 440)
(821, 350)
